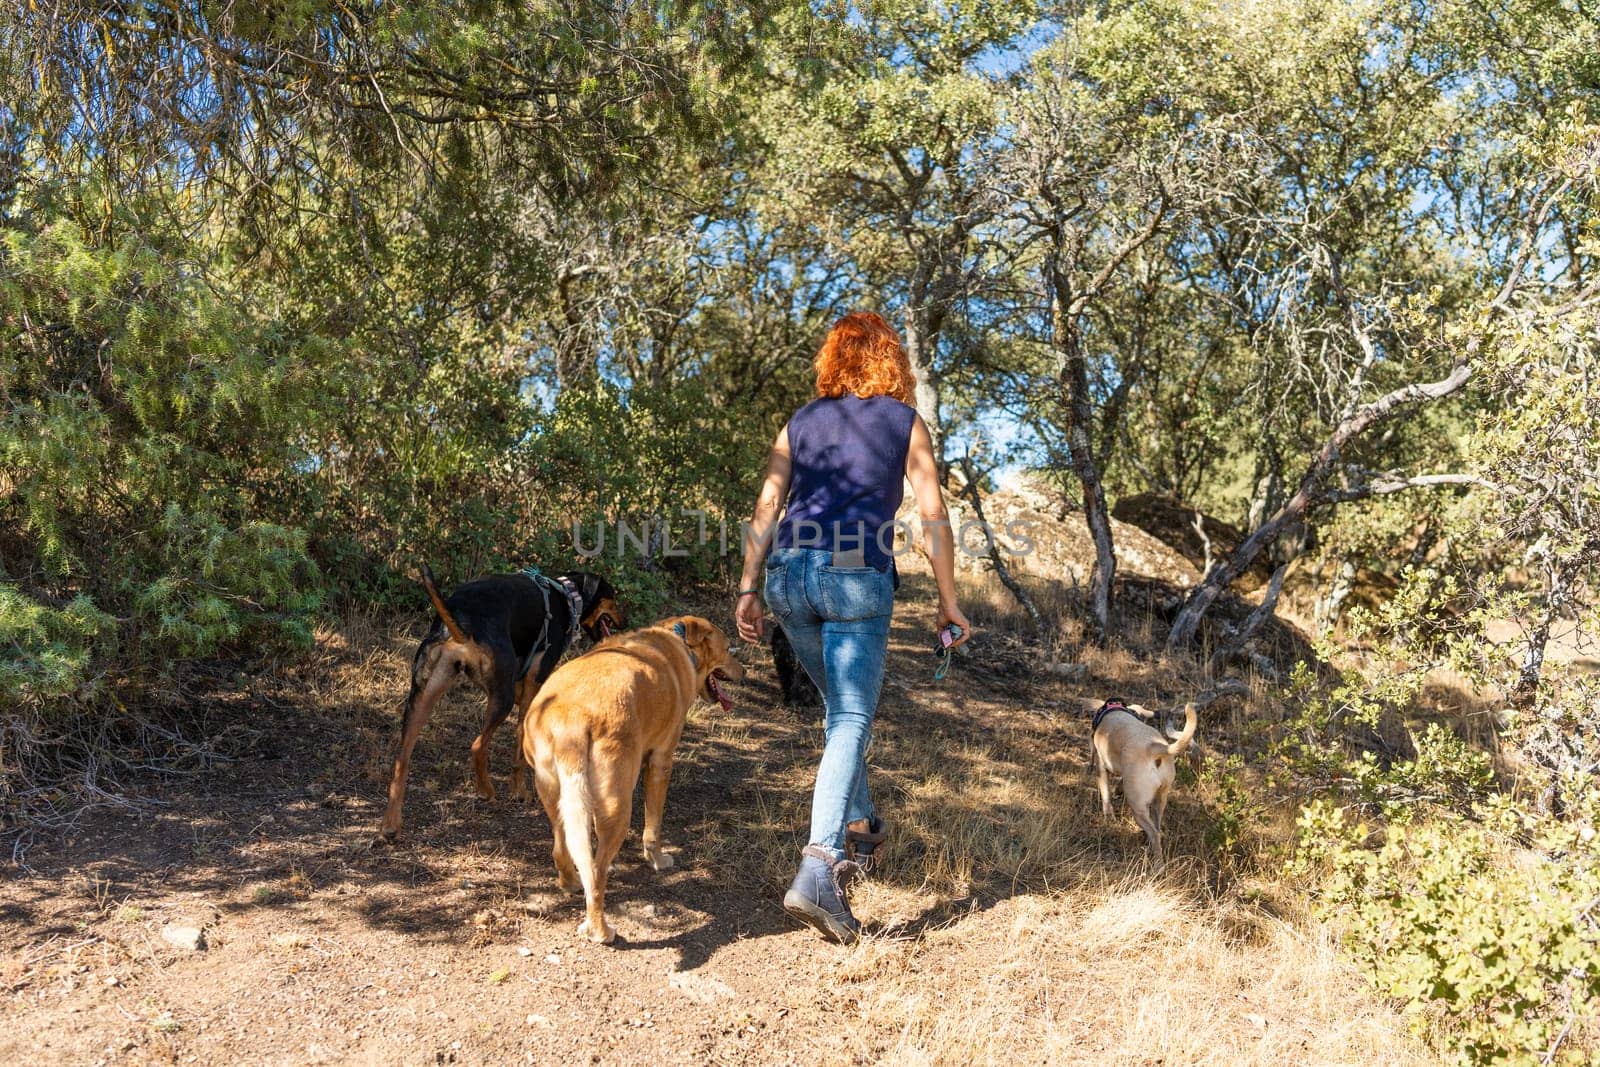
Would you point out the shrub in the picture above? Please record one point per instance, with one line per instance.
(1485, 923)
(46, 653)
(147, 415)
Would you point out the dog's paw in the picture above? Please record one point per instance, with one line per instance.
(659, 859)
(569, 882)
(604, 936)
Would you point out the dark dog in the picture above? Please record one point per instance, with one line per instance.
(798, 689)
(505, 634)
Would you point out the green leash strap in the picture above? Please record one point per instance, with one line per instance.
(946, 653)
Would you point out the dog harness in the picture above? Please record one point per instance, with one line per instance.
(575, 599)
(1107, 708)
(566, 588)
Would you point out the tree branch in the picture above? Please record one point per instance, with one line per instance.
(1396, 482)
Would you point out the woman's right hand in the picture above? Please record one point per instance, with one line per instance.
(747, 616)
(950, 614)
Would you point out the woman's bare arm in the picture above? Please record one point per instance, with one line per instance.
(924, 475)
(758, 535)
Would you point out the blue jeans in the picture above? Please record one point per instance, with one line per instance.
(837, 619)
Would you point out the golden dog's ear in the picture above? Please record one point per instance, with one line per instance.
(696, 631)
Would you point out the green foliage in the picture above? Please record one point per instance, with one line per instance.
(1236, 805)
(145, 409)
(47, 654)
(655, 484)
(223, 585)
(1483, 926)
(1328, 743)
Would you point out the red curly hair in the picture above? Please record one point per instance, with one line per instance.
(863, 355)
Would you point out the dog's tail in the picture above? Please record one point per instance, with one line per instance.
(438, 604)
(1190, 721)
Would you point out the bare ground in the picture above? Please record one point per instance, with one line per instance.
(1012, 924)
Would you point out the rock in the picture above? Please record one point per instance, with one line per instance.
(1071, 671)
(188, 938)
(700, 988)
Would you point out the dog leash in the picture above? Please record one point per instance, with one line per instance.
(947, 653)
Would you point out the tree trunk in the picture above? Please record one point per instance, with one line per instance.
(1073, 377)
(1330, 607)
(1007, 579)
(924, 318)
(1264, 611)
(1310, 493)
(575, 356)
(1533, 660)
(920, 340)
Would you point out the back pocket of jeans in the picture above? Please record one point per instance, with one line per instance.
(850, 593)
(778, 589)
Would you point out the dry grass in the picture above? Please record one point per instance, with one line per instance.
(1122, 972)
(1016, 925)
(1013, 923)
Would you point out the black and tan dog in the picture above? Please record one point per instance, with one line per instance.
(505, 634)
(793, 682)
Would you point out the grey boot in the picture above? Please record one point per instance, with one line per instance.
(861, 841)
(816, 897)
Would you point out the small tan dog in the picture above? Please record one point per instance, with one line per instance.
(590, 731)
(1129, 747)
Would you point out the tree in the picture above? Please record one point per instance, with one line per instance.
(878, 133)
(1099, 161)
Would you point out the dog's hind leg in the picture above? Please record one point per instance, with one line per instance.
(576, 825)
(611, 796)
(420, 702)
(502, 697)
(573, 823)
(548, 783)
(527, 689)
(1105, 789)
(658, 769)
(1152, 831)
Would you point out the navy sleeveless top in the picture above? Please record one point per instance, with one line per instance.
(848, 475)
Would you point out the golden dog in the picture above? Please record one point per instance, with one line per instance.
(591, 729)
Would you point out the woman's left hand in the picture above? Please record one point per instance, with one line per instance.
(950, 615)
(749, 617)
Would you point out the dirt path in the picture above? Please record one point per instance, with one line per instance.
(999, 923)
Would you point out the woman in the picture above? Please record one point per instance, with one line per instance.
(836, 474)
